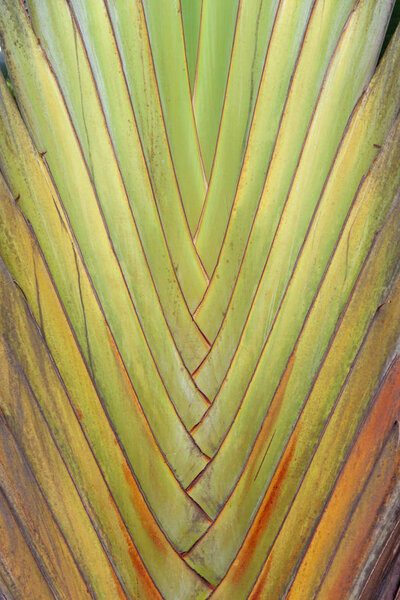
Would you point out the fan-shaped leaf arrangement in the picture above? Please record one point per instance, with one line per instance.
(200, 307)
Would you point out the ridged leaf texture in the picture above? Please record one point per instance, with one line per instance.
(200, 300)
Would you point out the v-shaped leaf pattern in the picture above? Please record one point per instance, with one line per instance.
(190, 287)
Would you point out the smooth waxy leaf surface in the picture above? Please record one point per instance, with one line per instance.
(199, 309)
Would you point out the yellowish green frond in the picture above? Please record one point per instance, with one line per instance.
(199, 300)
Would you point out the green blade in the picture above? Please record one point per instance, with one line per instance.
(164, 23)
(262, 36)
(191, 16)
(339, 438)
(274, 320)
(63, 44)
(217, 32)
(19, 249)
(108, 281)
(305, 362)
(289, 110)
(159, 557)
(199, 299)
(94, 22)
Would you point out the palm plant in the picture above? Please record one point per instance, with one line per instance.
(199, 317)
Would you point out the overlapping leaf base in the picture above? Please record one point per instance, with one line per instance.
(200, 307)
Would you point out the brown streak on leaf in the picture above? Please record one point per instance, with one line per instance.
(251, 544)
(137, 564)
(146, 519)
(269, 425)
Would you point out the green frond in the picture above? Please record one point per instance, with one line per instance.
(200, 300)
